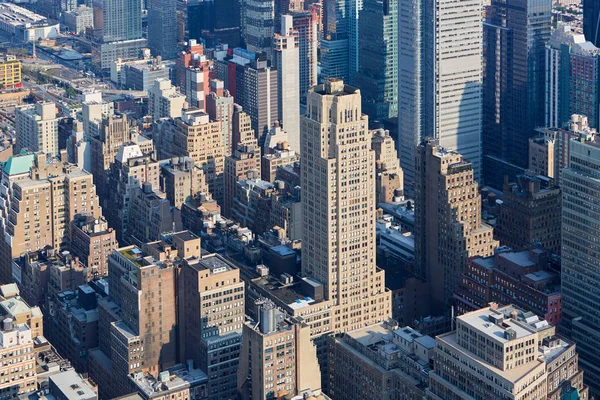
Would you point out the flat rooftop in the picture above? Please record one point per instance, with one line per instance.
(173, 379)
(216, 264)
(72, 386)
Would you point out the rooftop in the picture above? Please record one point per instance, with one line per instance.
(173, 379)
(72, 386)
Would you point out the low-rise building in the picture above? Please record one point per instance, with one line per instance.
(181, 382)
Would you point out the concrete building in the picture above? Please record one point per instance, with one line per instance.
(277, 357)
(196, 136)
(280, 156)
(523, 278)
(10, 72)
(182, 180)
(530, 215)
(164, 100)
(37, 128)
(252, 203)
(59, 197)
(377, 76)
(287, 61)
(196, 84)
(286, 213)
(513, 83)
(305, 23)
(129, 170)
(580, 277)
(79, 19)
(449, 229)
(112, 52)
(162, 28)
(137, 323)
(396, 360)
(212, 308)
(122, 20)
(390, 177)
(572, 78)
(141, 74)
(325, 181)
(113, 132)
(92, 241)
(504, 350)
(245, 158)
(220, 107)
(17, 349)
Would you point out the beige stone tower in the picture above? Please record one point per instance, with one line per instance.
(448, 226)
(338, 206)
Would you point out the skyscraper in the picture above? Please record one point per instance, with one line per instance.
(591, 21)
(410, 84)
(334, 45)
(162, 28)
(122, 20)
(258, 21)
(452, 80)
(286, 54)
(572, 78)
(580, 263)
(338, 206)
(516, 33)
(305, 22)
(377, 76)
(448, 226)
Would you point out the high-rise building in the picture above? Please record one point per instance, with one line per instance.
(196, 136)
(516, 33)
(37, 128)
(530, 214)
(591, 21)
(504, 350)
(211, 306)
(214, 21)
(334, 45)
(181, 180)
(338, 207)
(389, 178)
(453, 79)
(257, 23)
(580, 272)
(377, 76)
(286, 55)
(219, 107)
(92, 241)
(448, 225)
(129, 170)
(162, 28)
(137, 323)
(305, 22)
(277, 357)
(258, 93)
(113, 132)
(411, 70)
(17, 349)
(122, 20)
(164, 100)
(245, 158)
(572, 78)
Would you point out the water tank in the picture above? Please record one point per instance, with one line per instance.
(7, 325)
(491, 199)
(267, 319)
(147, 187)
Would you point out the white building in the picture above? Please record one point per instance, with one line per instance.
(37, 128)
(286, 54)
(164, 100)
(26, 25)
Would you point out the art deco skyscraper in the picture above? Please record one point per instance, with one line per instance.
(448, 226)
(338, 206)
(286, 54)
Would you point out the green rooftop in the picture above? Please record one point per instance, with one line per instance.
(20, 164)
